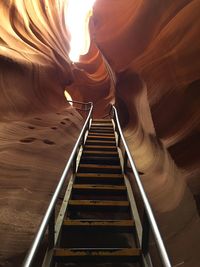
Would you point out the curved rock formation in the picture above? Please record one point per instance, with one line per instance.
(153, 48)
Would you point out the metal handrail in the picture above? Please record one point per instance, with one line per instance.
(79, 102)
(51, 208)
(148, 209)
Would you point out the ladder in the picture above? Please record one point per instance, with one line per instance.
(98, 226)
(98, 223)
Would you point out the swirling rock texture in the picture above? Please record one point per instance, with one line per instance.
(153, 48)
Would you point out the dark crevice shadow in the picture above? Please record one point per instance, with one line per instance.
(48, 142)
(28, 140)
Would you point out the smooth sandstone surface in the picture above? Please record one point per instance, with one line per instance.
(153, 48)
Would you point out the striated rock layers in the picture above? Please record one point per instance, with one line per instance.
(153, 48)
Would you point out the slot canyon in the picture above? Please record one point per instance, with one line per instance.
(142, 56)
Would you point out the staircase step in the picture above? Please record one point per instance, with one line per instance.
(97, 255)
(96, 168)
(98, 205)
(101, 142)
(110, 225)
(99, 214)
(99, 178)
(96, 124)
(100, 153)
(100, 187)
(97, 235)
(99, 192)
(100, 137)
(106, 148)
(100, 160)
(102, 120)
(101, 175)
(102, 134)
(101, 130)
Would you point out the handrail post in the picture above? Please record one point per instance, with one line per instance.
(74, 163)
(119, 136)
(117, 130)
(51, 230)
(145, 233)
(125, 162)
(119, 139)
(87, 128)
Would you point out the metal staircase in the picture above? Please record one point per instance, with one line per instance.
(98, 223)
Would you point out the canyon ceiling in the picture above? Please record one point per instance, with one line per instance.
(153, 49)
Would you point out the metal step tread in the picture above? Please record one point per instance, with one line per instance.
(100, 147)
(99, 187)
(90, 159)
(98, 203)
(103, 129)
(102, 134)
(103, 223)
(101, 141)
(96, 124)
(98, 166)
(93, 252)
(102, 120)
(100, 152)
(100, 175)
(100, 137)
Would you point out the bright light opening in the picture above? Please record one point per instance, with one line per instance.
(78, 13)
(68, 97)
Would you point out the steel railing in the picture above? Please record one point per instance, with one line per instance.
(86, 105)
(48, 221)
(149, 221)
(82, 107)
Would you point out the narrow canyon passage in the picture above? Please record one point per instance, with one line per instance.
(143, 56)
